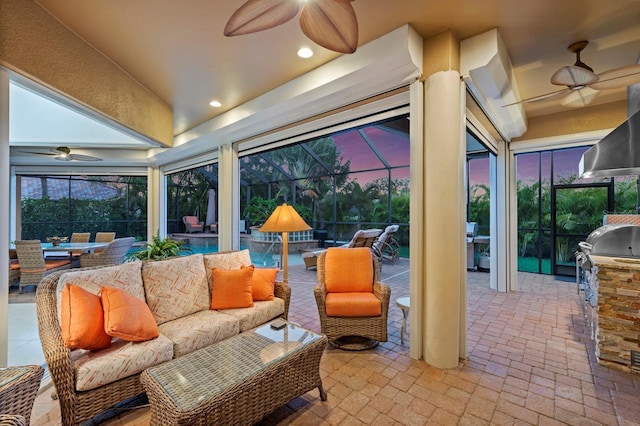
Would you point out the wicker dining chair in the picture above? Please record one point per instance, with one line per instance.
(114, 253)
(80, 237)
(14, 268)
(104, 237)
(355, 317)
(18, 390)
(33, 266)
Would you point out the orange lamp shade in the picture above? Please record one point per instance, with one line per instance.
(285, 219)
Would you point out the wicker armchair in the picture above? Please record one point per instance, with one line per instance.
(113, 254)
(14, 268)
(371, 327)
(192, 224)
(33, 266)
(362, 238)
(18, 390)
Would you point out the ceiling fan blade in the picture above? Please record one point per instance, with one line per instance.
(550, 95)
(618, 77)
(80, 157)
(572, 75)
(259, 15)
(37, 153)
(332, 24)
(580, 97)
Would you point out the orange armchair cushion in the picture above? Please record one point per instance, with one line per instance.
(353, 305)
(82, 320)
(263, 283)
(191, 220)
(231, 289)
(348, 270)
(127, 317)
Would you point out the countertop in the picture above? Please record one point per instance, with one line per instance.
(622, 263)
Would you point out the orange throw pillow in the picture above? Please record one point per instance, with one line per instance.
(127, 317)
(82, 320)
(263, 282)
(231, 289)
(348, 270)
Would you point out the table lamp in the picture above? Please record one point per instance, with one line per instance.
(285, 219)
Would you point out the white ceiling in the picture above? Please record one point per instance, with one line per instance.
(177, 49)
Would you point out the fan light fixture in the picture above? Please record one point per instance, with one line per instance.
(305, 52)
(285, 219)
(582, 84)
(330, 23)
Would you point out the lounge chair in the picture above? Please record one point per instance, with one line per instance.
(362, 238)
(386, 247)
(192, 224)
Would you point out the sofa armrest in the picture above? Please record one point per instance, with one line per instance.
(283, 291)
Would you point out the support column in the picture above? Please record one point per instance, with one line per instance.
(228, 199)
(445, 269)
(5, 216)
(156, 204)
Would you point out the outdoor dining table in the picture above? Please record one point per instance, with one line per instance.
(69, 247)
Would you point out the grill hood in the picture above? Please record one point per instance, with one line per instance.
(617, 154)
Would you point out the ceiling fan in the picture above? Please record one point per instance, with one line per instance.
(583, 85)
(330, 23)
(63, 153)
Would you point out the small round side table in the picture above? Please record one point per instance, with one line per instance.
(403, 303)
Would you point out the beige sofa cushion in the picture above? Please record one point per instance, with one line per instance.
(127, 277)
(122, 359)
(226, 260)
(261, 312)
(176, 287)
(198, 330)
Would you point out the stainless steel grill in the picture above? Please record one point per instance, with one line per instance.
(616, 240)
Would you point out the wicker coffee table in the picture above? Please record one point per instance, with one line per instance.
(238, 380)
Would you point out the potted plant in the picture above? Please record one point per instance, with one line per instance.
(160, 248)
(258, 210)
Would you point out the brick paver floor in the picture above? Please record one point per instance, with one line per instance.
(530, 362)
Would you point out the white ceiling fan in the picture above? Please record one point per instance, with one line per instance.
(582, 84)
(63, 153)
(330, 23)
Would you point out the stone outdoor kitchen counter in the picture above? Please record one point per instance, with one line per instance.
(617, 334)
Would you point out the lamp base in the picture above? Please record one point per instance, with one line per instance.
(354, 343)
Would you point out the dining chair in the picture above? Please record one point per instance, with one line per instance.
(104, 237)
(113, 254)
(33, 266)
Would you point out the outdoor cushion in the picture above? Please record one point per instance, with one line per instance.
(357, 304)
(175, 287)
(262, 283)
(348, 270)
(122, 359)
(198, 330)
(226, 260)
(260, 313)
(231, 289)
(126, 277)
(127, 317)
(82, 322)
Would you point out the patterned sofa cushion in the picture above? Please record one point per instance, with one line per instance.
(260, 313)
(127, 277)
(176, 287)
(198, 330)
(122, 359)
(226, 260)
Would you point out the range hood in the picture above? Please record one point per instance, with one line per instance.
(617, 154)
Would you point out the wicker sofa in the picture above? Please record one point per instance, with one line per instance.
(178, 293)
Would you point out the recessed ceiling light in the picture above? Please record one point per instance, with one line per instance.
(305, 52)
(216, 104)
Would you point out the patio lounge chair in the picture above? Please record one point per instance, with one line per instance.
(192, 224)
(33, 266)
(113, 254)
(362, 238)
(385, 247)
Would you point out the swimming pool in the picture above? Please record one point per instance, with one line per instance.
(258, 259)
